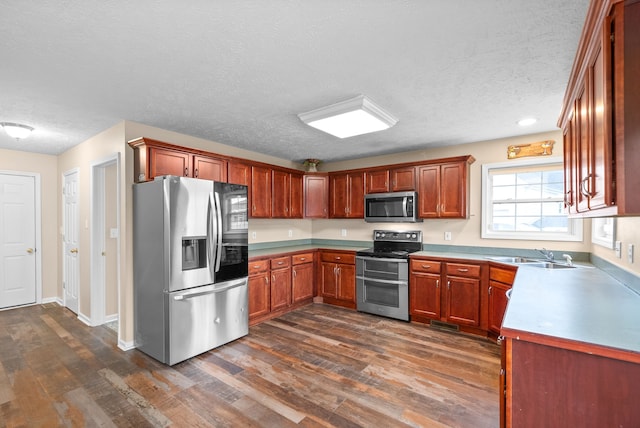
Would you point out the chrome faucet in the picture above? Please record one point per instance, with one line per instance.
(568, 259)
(547, 254)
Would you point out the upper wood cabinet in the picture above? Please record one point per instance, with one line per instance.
(391, 180)
(287, 194)
(316, 196)
(346, 195)
(239, 173)
(260, 192)
(154, 158)
(443, 189)
(600, 117)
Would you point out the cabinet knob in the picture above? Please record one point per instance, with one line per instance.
(186, 172)
(195, 173)
(448, 285)
(437, 283)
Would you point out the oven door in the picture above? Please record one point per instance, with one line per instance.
(382, 287)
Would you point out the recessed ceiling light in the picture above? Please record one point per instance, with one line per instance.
(527, 121)
(348, 118)
(16, 130)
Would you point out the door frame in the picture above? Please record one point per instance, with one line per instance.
(97, 239)
(38, 227)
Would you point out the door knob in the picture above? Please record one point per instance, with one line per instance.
(73, 250)
(30, 250)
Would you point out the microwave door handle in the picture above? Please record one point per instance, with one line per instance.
(405, 200)
(218, 231)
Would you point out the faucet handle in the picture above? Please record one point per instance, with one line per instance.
(568, 259)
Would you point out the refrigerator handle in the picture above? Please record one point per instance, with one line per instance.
(229, 286)
(211, 247)
(218, 231)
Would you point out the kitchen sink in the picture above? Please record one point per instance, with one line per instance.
(550, 265)
(508, 259)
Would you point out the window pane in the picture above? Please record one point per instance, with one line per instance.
(529, 178)
(529, 191)
(552, 177)
(553, 190)
(504, 179)
(552, 208)
(504, 193)
(502, 210)
(529, 209)
(504, 224)
(528, 224)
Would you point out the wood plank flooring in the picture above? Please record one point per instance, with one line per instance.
(319, 366)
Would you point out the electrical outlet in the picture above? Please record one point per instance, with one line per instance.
(290, 233)
(343, 232)
(253, 235)
(630, 253)
(619, 249)
(447, 236)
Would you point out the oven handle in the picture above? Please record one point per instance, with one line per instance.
(382, 259)
(382, 281)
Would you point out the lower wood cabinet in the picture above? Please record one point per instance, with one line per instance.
(279, 283)
(259, 289)
(500, 281)
(449, 291)
(302, 274)
(338, 278)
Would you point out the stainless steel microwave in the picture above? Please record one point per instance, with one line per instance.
(395, 207)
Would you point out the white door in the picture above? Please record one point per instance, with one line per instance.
(17, 240)
(70, 246)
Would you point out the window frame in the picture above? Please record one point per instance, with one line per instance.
(575, 232)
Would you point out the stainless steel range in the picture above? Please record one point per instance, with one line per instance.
(382, 273)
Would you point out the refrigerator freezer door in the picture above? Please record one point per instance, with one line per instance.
(206, 317)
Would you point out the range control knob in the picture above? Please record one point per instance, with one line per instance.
(414, 235)
(408, 235)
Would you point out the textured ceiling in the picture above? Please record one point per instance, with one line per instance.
(239, 72)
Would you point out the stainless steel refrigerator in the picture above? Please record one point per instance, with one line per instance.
(190, 262)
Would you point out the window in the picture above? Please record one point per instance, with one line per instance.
(525, 200)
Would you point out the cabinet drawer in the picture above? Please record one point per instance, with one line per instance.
(258, 266)
(459, 269)
(427, 266)
(280, 262)
(297, 259)
(338, 257)
(505, 276)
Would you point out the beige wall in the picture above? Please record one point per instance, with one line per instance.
(111, 141)
(628, 232)
(46, 167)
(83, 156)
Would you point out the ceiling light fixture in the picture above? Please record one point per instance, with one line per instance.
(355, 116)
(527, 121)
(16, 130)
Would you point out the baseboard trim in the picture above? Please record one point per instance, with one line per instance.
(126, 346)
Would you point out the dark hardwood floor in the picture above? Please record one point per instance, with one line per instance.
(316, 366)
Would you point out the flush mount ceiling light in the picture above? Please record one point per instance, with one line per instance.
(348, 118)
(527, 121)
(16, 130)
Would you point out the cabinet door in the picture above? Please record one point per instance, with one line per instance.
(316, 196)
(402, 179)
(356, 195)
(570, 167)
(280, 288)
(377, 181)
(296, 200)
(346, 283)
(302, 282)
(281, 194)
(339, 194)
(497, 304)
(329, 279)
(424, 295)
(260, 192)
(239, 173)
(428, 191)
(168, 162)
(209, 168)
(259, 295)
(463, 300)
(453, 190)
